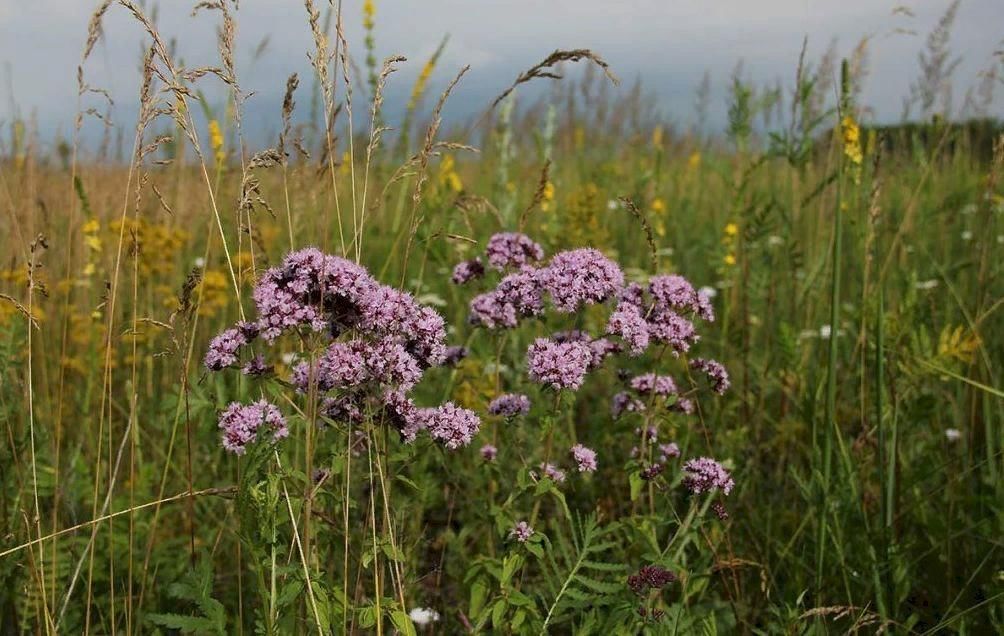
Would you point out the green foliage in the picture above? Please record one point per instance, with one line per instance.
(196, 588)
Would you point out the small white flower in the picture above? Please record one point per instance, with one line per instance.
(825, 331)
(200, 262)
(969, 208)
(612, 204)
(967, 235)
(288, 358)
(708, 291)
(926, 285)
(953, 434)
(422, 616)
(774, 240)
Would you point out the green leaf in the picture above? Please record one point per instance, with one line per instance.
(637, 484)
(402, 622)
(185, 624)
(535, 549)
(511, 564)
(367, 617)
(479, 594)
(498, 612)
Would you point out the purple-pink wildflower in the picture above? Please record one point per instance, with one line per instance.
(224, 349)
(602, 348)
(706, 475)
(669, 327)
(719, 510)
(512, 249)
(668, 451)
(648, 434)
(401, 413)
(580, 277)
(510, 405)
(560, 365)
(585, 458)
(683, 405)
(241, 424)
(553, 473)
(454, 354)
(489, 452)
(450, 424)
(256, 367)
(466, 271)
(674, 292)
(521, 532)
(344, 408)
(517, 296)
(661, 385)
(650, 577)
(628, 322)
(651, 472)
(623, 402)
(716, 373)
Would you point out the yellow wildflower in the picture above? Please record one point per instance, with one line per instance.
(448, 176)
(548, 197)
(215, 288)
(421, 82)
(731, 229)
(730, 259)
(694, 161)
(216, 140)
(369, 11)
(852, 140)
(658, 206)
(657, 137)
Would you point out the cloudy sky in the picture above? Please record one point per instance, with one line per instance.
(669, 44)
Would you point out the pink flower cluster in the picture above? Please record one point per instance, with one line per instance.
(572, 279)
(585, 458)
(466, 271)
(521, 532)
(661, 385)
(715, 372)
(510, 405)
(559, 365)
(706, 475)
(241, 424)
(380, 341)
(512, 250)
(659, 313)
(581, 277)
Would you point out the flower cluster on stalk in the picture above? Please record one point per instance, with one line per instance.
(378, 341)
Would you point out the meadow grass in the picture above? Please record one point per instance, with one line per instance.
(856, 274)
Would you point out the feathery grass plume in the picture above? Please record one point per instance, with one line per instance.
(933, 88)
(546, 69)
(653, 253)
(542, 194)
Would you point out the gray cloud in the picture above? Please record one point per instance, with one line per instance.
(667, 44)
